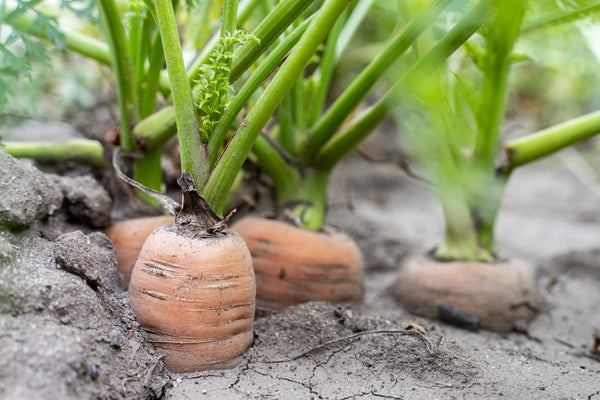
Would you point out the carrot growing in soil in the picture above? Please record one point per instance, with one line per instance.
(192, 286)
(299, 258)
(455, 129)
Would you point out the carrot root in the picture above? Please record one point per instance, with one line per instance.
(194, 293)
(502, 296)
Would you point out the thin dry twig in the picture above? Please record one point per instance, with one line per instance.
(398, 332)
(150, 370)
(168, 203)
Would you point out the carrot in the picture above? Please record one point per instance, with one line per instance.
(128, 237)
(294, 265)
(501, 295)
(193, 289)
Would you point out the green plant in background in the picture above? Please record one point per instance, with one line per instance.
(134, 50)
(460, 141)
(454, 114)
(309, 139)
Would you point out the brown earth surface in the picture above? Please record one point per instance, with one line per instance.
(66, 331)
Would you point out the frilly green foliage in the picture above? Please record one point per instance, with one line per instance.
(213, 83)
(85, 9)
(18, 51)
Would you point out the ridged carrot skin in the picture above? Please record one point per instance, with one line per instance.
(129, 236)
(194, 292)
(294, 265)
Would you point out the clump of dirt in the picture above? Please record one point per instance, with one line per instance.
(66, 329)
(86, 201)
(27, 194)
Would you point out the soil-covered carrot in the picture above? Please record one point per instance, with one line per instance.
(502, 295)
(193, 289)
(129, 236)
(295, 265)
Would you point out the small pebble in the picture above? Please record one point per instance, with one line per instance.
(69, 381)
(94, 370)
(39, 307)
(99, 339)
(293, 367)
(115, 340)
(204, 391)
(542, 388)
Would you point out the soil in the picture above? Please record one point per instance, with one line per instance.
(67, 332)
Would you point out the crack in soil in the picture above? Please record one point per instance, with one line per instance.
(245, 368)
(280, 378)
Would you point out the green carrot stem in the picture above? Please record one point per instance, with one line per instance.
(193, 154)
(159, 128)
(232, 159)
(121, 65)
(259, 75)
(272, 26)
(78, 42)
(329, 123)
(547, 141)
(362, 125)
(313, 192)
(286, 179)
(559, 16)
(502, 33)
(136, 48)
(278, 19)
(143, 53)
(148, 170)
(328, 62)
(287, 130)
(84, 151)
(230, 9)
(351, 26)
(152, 79)
(310, 189)
(297, 94)
(154, 130)
(460, 241)
(349, 137)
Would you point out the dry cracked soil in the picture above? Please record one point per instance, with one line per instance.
(66, 330)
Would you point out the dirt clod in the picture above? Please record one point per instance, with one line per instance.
(85, 200)
(27, 194)
(91, 257)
